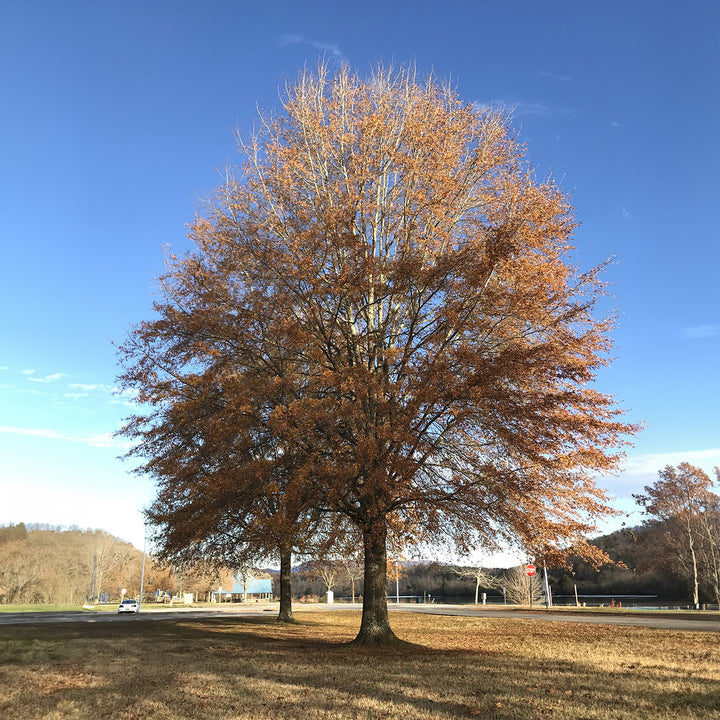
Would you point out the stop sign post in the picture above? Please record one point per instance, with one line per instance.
(530, 570)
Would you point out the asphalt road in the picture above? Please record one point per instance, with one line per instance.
(698, 622)
(94, 616)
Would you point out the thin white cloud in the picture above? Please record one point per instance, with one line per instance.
(124, 397)
(289, 39)
(332, 48)
(554, 76)
(640, 470)
(651, 464)
(530, 109)
(90, 387)
(47, 378)
(326, 47)
(98, 440)
(28, 372)
(701, 331)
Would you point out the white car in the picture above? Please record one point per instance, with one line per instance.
(128, 606)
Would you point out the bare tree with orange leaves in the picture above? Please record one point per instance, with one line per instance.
(384, 256)
(682, 499)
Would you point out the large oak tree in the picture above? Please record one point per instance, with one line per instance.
(384, 277)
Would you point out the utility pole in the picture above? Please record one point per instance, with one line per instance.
(142, 576)
(548, 599)
(93, 581)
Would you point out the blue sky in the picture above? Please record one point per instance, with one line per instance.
(117, 119)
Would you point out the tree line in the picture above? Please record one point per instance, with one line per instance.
(46, 564)
(61, 566)
(72, 567)
(672, 555)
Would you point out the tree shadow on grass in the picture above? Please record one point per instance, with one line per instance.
(249, 668)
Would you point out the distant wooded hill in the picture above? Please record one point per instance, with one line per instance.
(45, 564)
(642, 567)
(52, 565)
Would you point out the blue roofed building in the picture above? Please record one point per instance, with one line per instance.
(257, 589)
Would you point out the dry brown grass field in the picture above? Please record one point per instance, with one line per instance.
(451, 667)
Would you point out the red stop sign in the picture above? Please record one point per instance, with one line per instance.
(530, 570)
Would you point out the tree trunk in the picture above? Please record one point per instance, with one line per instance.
(285, 614)
(375, 625)
(693, 560)
(712, 534)
(696, 591)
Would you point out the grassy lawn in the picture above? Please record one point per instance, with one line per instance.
(454, 667)
(40, 608)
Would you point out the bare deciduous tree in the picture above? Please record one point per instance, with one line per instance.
(682, 497)
(521, 589)
(480, 575)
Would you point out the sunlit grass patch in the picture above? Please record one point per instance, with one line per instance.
(14, 608)
(255, 669)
